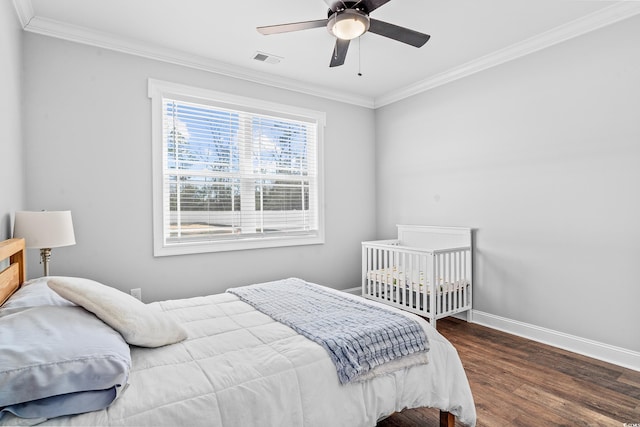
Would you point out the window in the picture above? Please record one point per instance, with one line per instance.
(233, 173)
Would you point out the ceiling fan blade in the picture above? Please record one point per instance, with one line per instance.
(339, 52)
(400, 34)
(372, 5)
(294, 26)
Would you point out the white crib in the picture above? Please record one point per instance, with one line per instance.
(426, 271)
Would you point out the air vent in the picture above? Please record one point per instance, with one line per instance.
(267, 57)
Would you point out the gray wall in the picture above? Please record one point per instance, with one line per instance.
(11, 165)
(542, 156)
(88, 149)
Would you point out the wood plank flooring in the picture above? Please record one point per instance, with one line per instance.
(518, 382)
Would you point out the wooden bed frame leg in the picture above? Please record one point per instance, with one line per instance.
(447, 419)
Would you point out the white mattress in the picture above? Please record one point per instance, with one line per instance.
(240, 368)
(395, 277)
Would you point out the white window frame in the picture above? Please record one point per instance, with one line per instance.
(157, 91)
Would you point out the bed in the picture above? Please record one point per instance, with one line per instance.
(427, 271)
(233, 366)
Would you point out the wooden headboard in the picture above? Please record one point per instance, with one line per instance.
(12, 277)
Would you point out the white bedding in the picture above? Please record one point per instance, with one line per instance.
(238, 367)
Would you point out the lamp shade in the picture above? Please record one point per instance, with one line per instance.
(45, 229)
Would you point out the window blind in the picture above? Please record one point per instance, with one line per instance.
(236, 173)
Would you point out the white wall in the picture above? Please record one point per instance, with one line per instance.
(11, 165)
(542, 156)
(88, 149)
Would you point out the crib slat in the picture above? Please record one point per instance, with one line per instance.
(459, 287)
(373, 268)
(439, 284)
(432, 280)
(396, 268)
(369, 269)
(377, 285)
(450, 267)
(448, 307)
(408, 276)
(436, 284)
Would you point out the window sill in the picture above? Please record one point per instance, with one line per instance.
(235, 245)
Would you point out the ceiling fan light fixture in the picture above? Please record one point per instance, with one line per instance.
(348, 24)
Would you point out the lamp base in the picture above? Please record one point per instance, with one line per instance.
(45, 256)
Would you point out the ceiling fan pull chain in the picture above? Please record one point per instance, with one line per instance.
(359, 61)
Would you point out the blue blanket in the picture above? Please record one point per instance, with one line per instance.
(358, 336)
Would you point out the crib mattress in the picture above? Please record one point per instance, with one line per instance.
(398, 278)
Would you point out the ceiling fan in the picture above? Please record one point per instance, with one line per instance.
(347, 20)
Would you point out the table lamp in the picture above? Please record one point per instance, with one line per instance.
(45, 230)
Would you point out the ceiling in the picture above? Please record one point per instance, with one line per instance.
(220, 36)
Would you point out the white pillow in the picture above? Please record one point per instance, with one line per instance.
(138, 323)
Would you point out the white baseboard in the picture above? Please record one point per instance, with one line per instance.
(597, 350)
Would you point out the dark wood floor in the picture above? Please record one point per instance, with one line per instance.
(517, 382)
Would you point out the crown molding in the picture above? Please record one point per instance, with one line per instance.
(601, 18)
(53, 28)
(24, 9)
(621, 10)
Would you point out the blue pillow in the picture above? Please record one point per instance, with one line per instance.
(59, 360)
(33, 293)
